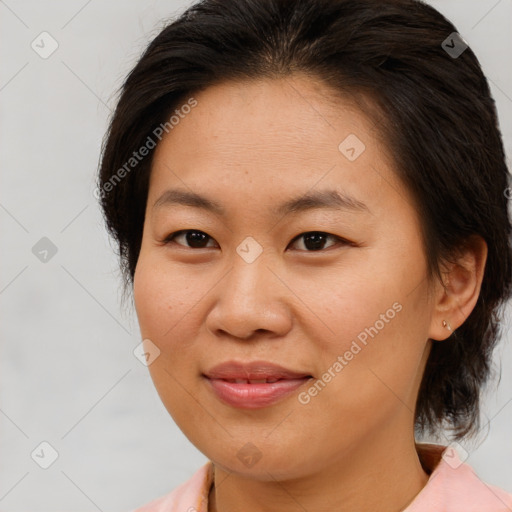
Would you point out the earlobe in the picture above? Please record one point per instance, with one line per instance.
(459, 291)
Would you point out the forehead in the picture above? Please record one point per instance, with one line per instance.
(270, 113)
(283, 135)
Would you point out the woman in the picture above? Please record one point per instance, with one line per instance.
(309, 200)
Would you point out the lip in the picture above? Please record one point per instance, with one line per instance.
(246, 395)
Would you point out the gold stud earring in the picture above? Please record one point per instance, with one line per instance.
(447, 325)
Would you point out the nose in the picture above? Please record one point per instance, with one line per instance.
(250, 299)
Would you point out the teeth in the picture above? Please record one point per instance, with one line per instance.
(252, 381)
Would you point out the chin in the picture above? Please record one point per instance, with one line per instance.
(266, 464)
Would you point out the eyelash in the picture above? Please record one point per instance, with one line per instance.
(170, 238)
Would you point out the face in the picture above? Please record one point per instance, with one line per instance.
(332, 290)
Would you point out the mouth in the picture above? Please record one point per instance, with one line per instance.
(253, 381)
(253, 385)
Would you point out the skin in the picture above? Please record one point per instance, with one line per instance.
(250, 146)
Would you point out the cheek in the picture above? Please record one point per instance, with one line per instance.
(152, 305)
(164, 300)
(368, 375)
(163, 297)
(377, 316)
(351, 298)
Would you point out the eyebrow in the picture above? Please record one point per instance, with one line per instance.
(327, 198)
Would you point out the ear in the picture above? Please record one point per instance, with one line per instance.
(457, 295)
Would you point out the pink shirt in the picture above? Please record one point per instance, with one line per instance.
(452, 487)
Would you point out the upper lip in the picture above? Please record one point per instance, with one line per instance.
(252, 370)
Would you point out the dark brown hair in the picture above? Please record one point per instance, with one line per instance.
(437, 117)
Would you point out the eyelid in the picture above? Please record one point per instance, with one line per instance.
(343, 241)
(169, 238)
(339, 239)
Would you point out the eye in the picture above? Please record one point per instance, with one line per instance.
(197, 239)
(315, 240)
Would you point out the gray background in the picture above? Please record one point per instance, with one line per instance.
(68, 375)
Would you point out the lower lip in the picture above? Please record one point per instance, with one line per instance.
(254, 396)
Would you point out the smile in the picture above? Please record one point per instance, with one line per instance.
(254, 384)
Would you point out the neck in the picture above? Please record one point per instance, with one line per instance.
(378, 476)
